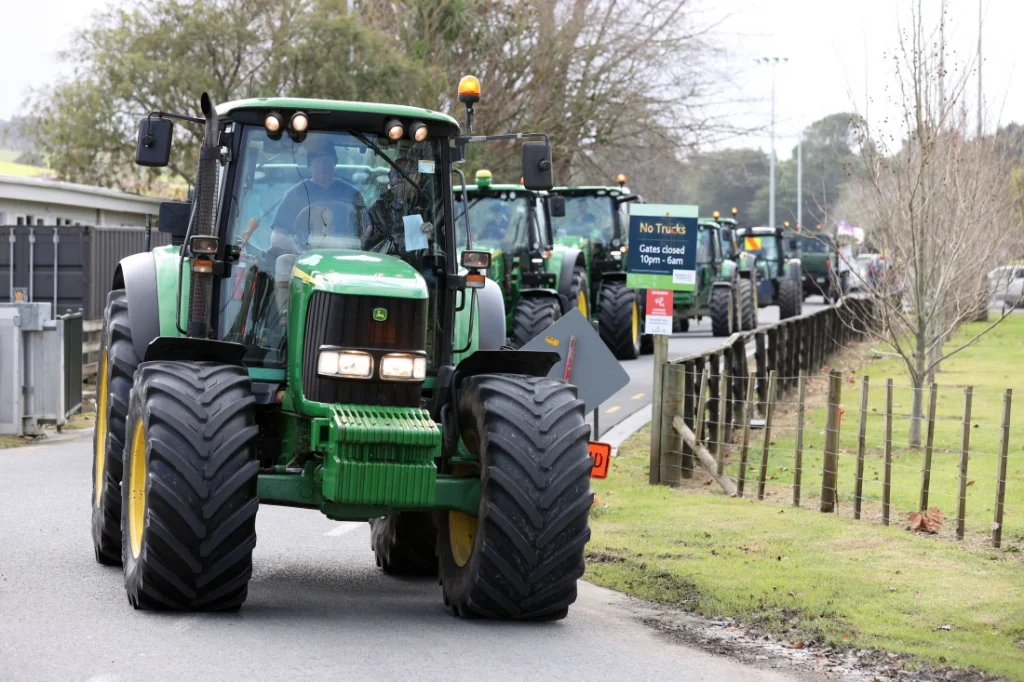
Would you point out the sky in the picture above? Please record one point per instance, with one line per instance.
(832, 46)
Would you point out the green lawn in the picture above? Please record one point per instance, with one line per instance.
(990, 367)
(806, 575)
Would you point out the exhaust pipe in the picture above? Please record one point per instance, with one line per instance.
(201, 293)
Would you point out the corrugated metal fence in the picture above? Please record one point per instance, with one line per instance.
(71, 266)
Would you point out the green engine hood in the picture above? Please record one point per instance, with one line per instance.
(359, 273)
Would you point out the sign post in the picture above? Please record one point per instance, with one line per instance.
(662, 259)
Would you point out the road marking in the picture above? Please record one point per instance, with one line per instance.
(344, 527)
(638, 396)
(613, 408)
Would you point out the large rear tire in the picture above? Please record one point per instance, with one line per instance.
(521, 556)
(533, 315)
(722, 311)
(618, 321)
(790, 301)
(188, 504)
(405, 543)
(113, 391)
(748, 307)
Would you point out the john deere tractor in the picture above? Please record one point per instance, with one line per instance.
(779, 276)
(540, 283)
(595, 220)
(352, 365)
(747, 293)
(718, 286)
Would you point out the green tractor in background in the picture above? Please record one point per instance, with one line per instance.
(540, 284)
(719, 288)
(819, 261)
(352, 365)
(595, 221)
(746, 266)
(779, 275)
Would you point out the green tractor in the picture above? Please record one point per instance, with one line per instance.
(354, 366)
(746, 266)
(719, 287)
(595, 220)
(779, 276)
(540, 283)
(819, 262)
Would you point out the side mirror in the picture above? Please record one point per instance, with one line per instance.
(476, 260)
(173, 220)
(556, 204)
(154, 145)
(538, 173)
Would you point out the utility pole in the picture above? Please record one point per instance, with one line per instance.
(773, 62)
(800, 180)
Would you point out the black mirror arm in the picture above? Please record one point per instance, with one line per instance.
(176, 117)
(497, 138)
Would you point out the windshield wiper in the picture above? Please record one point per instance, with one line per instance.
(362, 138)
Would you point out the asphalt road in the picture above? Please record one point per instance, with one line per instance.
(637, 393)
(317, 609)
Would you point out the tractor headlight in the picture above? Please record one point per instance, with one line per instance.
(617, 255)
(403, 367)
(345, 363)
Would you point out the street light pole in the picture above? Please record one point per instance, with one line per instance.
(773, 62)
(800, 180)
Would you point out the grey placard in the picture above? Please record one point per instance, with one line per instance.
(595, 371)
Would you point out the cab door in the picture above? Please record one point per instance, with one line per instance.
(705, 265)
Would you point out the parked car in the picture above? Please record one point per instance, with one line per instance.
(1006, 283)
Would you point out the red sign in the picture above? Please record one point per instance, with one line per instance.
(659, 303)
(601, 453)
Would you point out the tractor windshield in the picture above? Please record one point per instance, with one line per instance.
(764, 247)
(498, 221)
(726, 236)
(330, 190)
(586, 217)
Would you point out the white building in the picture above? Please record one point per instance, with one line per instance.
(39, 201)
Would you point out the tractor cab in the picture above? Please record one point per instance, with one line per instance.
(778, 271)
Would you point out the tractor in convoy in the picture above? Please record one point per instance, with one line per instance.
(540, 284)
(778, 274)
(819, 261)
(595, 221)
(315, 339)
(719, 291)
(747, 296)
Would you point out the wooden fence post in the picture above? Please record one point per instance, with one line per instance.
(830, 473)
(714, 402)
(798, 458)
(1004, 447)
(672, 406)
(769, 410)
(926, 470)
(887, 481)
(862, 429)
(761, 368)
(660, 358)
(720, 450)
(701, 405)
(689, 379)
(965, 448)
(747, 411)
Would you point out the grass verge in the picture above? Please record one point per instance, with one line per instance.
(806, 575)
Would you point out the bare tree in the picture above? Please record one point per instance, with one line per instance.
(939, 205)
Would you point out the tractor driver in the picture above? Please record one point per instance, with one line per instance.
(385, 231)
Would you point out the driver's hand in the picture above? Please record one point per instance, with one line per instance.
(283, 241)
(427, 229)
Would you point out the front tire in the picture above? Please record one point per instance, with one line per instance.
(722, 311)
(618, 321)
(118, 362)
(579, 296)
(404, 543)
(748, 307)
(520, 558)
(533, 315)
(790, 302)
(188, 504)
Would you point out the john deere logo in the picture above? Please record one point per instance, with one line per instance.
(380, 314)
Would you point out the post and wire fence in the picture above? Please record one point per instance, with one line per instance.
(841, 444)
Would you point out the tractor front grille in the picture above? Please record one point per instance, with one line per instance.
(348, 322)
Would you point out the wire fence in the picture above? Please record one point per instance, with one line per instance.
(849, 446)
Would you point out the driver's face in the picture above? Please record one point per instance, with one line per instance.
(322, 170)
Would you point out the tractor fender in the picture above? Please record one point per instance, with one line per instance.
(792, 268)
(137, 276)
(491, 310)
(722, 283)
(563, 301)
(571, 259)
(746, 265)
(727, 272)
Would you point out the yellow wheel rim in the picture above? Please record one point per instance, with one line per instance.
(581, 303)
(137, 489)
(461, 536)
(636, 321)
(100, 456)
